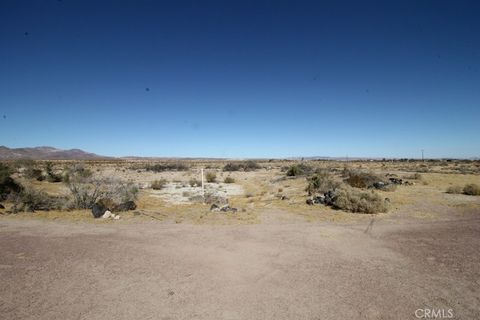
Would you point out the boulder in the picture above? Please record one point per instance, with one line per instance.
(107, 214)
(329, 197)
(309, 202)
(98, 210)
(117, 217)
(126, 206)
(284, 198)
(1, 206)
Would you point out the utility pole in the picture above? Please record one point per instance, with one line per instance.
(423, 159)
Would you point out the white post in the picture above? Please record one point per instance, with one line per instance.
(203, 188)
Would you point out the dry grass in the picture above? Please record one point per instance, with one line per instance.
(266, 185)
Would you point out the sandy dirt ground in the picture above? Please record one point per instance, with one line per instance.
(365, 269)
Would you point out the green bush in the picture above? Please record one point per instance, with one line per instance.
(229, 180)
(455, 189)
(159, 184)
(321, 182)
(211, 177)
(471, 189)
(358, 201)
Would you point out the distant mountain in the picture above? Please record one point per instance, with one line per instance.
(46, 153)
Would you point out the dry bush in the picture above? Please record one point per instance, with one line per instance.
(76, 171)
(229, 180)
(358, 201)
(194, 182)
(321, 182)
(471, 189)
(7, 184)
(160, 167)
(415, 176)
(455, 189)
(30, 200)
(245, 166)
(299, 170)
(361, 179)
(159, 184)
(33, 173)
(211, 177)
(87, 191)
(51, 175)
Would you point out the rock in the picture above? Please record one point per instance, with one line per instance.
(309, 202)
(319, 200)
(396, 181)
(214, 207)
(126, 206)
(1, 206)
(387, 200)
(379, 185)
(107, 214)
(98, 210)
(329, 197)
(284, 198)
(227, 208)
(117, 217)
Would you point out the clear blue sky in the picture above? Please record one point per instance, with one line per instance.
(242, 78)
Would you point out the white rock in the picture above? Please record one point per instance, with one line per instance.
(106, 215)
(117, 217)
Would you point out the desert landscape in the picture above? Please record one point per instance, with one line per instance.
(239, 160)
(260, 240)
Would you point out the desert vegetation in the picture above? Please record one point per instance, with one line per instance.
(293, 186)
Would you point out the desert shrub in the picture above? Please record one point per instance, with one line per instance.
(87, 191)
(33, 173)
(416, 176)
(75, 172)
(361, 179)
(299, 170)
(455, 189)
(8, 186)
(51, 175)
(232, 167)
(160, 167)
(211, 177)
(159, 184)
(229, 180)
(321, 182)
(358, 201)
(249, 165)
(194, 182)
(31, 200)
(471, 189)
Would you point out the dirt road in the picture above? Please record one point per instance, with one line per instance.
(150, 270)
